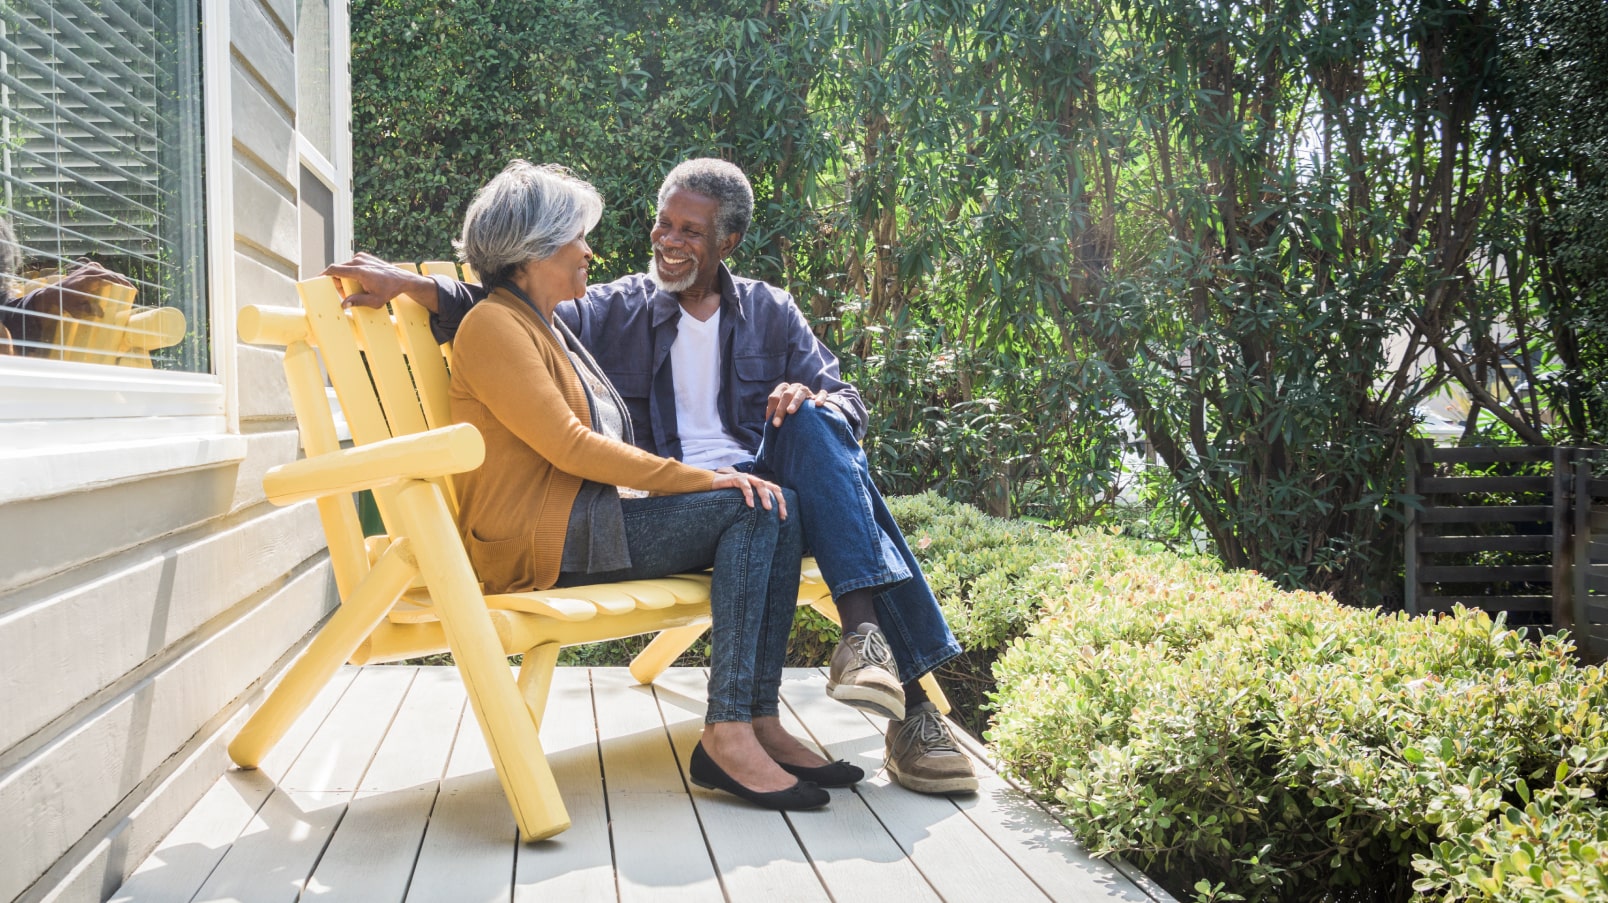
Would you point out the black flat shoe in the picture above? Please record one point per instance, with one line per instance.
(834, 774)
(803, 795)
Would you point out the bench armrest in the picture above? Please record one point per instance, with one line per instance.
(420, 456)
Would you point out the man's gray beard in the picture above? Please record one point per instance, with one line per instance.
(671, 287)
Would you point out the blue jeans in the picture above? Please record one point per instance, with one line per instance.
(752, 595)
(854, 539)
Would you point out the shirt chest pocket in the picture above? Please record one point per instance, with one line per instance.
(757, 375)
(630, 383)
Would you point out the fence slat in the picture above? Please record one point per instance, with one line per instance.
(1485, 573)
(1487, 514)
(1452, 544)
(1493, 604)
(1484, 484)
(1545, 561)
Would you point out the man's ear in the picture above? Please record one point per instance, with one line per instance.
(730, 244)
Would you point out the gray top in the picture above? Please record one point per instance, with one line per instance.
(594, 541)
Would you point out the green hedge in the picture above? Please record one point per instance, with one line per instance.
(1238, 741)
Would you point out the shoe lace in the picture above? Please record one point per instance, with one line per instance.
(873, 647)
(926, 731)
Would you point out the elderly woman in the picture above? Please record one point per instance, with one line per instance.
(551, 507)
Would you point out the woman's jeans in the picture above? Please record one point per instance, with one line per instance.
(752, 595)
(854, 539)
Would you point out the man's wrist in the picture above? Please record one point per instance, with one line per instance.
(423, 291)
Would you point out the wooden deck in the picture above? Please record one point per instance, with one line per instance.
(383, 791)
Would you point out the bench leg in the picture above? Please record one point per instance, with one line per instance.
(511, 735)
(336, 641)
(536, 678)
(664, 650)
(929, 683)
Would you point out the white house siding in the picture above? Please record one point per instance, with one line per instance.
(141, 617)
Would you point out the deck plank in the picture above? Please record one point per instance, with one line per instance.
(289, 748)
(371, 855)
(184, 859)
(388, 794)
(273, 858)
(270, 861)
(468, 851)
(849, 847)
(755, 851)
(415, 749)
(577, 865)
(659, 850)
(340, 752)
(370, 858)
(956, 858)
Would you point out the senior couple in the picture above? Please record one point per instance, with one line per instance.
(669, 422)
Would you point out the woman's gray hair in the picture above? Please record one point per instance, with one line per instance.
(720, 180)
(525, 213)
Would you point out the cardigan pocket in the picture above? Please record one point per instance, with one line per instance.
(504, 565)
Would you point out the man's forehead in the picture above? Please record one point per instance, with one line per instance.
(692, 204)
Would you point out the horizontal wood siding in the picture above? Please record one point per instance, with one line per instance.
(140, 618)
(50, 801)
(66, 648)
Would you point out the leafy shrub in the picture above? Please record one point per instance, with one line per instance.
(991, 577)
(1243, 741)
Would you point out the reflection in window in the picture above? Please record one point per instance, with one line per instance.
(101, 173)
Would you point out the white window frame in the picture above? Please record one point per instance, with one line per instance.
(336, 174)
(67, 426)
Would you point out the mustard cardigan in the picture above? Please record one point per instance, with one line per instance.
(514, 382)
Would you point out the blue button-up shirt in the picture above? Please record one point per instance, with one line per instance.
(629, 326)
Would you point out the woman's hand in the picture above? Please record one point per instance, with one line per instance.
(751, 486)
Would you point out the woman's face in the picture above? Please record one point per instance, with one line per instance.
(563, 275)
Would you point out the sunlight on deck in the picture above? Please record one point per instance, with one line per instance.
(384, 791)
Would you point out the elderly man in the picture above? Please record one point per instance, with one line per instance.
(723, 372)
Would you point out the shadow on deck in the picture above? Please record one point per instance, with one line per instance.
(384, 791)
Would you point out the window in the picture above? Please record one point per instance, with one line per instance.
(101, 150)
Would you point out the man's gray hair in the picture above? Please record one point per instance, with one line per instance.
(525, 213)
(720, 180)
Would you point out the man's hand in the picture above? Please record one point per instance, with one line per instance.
(378, 282)
(785, 399)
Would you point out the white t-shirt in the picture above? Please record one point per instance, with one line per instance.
(695, 361)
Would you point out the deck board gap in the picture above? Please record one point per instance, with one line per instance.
(413, 680)
(686, 785)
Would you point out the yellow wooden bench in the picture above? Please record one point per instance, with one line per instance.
(413, 592)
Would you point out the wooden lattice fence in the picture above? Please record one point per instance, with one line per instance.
(1502, 529)
(1590, 587)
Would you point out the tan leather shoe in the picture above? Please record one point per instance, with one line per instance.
(862, 673)
(922, 755)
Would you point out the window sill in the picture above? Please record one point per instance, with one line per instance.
(65, 427)
(44, 472)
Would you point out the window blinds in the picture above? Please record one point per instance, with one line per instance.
(100, 159)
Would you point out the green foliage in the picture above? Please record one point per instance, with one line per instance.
(444, 95)
(1555, 61)
(991, 577)
(1253, 235)
(1222, 733)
